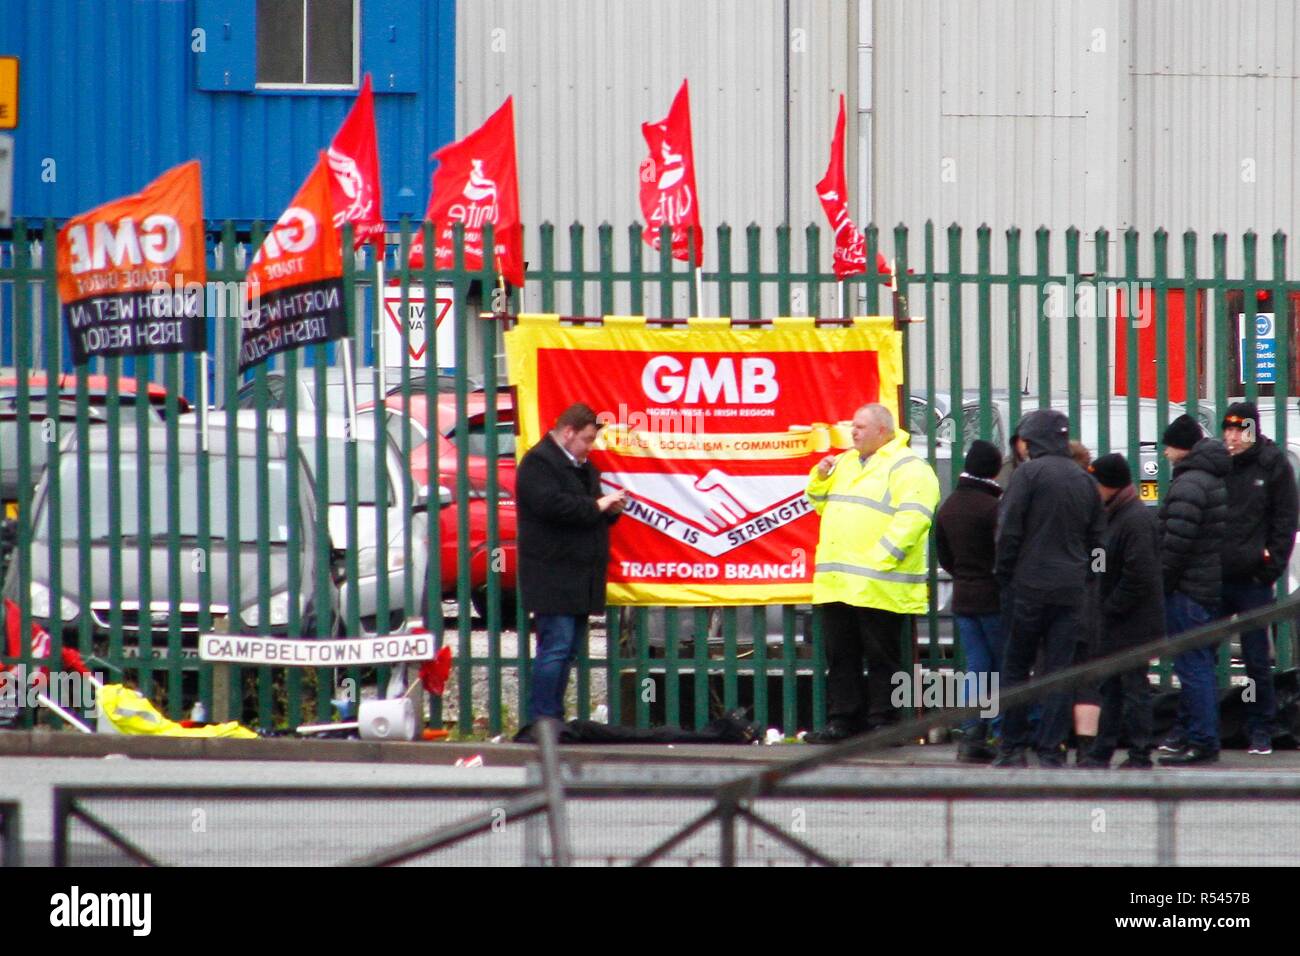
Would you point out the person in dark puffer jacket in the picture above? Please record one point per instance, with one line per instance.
(1192, 520)
(964, 530)
(1132, 610)
(1262, 489)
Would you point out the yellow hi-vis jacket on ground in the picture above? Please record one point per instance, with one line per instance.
(875, 526)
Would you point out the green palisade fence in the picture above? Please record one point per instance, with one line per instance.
(676, 666)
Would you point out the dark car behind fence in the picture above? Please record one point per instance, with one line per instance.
(683, 667)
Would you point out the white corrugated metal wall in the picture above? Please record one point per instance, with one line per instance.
(586, 73)
(1005, 112)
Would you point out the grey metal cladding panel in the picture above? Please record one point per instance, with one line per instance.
(1009, 59)
(818, 74)
(1009, 170)
(908, 153)
(1213, 38)
(586, 74)
(1217, 154)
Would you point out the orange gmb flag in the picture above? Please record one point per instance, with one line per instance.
(132, 272)
(295, 284)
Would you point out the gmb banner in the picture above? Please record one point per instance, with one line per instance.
(295, 283)
(712, 431)
(132, 272)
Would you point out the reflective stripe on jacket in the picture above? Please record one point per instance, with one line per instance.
(875, 525)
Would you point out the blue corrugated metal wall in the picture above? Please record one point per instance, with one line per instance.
(110, 96)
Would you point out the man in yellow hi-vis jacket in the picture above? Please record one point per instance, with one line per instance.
(876, 502)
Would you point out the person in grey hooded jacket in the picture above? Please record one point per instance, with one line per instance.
(1050, 525)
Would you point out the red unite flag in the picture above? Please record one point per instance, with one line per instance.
(353, 159)
(477, 182)
(850, 245)
(668, 195)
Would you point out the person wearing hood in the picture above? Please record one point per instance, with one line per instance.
(1259, 539)
(1132, 610)
(1050, 524)
(1192, 524)
(964, 542)
(876, 503)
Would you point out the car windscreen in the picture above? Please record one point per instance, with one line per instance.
(96, 506)
(334, 393)
(39, 447)
(337, 493)
(477, 439)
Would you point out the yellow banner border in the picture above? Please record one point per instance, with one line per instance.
(536, 331)
(533, 332)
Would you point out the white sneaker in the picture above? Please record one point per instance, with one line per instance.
(1260, 744)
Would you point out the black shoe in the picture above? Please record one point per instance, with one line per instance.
(833, 733)
(1011, 758)
(1051, 760)
(1136, 762)
(975, 751)
(1174, 743)
(1193, 754)
(1092, 762)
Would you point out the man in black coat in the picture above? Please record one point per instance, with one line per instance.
(1050, 523)
(1259, 539)
(563, 532)
(964, 529)
(1192, 520)
(1131, 594)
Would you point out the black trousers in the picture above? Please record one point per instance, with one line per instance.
(850, 634)
(1126, 707)
(1053, 629)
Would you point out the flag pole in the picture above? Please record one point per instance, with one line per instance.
(349, 372)
(381, 345)
(349, 392)
(844, 298)
(203, 400)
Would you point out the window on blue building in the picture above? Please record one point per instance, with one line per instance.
(307, 44)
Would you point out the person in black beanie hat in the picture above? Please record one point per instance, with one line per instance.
(1193, 517)
(1132, 613)
(1257, 547)
(963, 532)
(1182, 434)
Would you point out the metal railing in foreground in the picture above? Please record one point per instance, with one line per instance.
(621, 814)
(733, 799)
(728, 797)
(508, 804)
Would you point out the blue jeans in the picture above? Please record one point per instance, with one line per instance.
(1239, 597)
(982, 642)
(558, 636)
(1198, 699)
